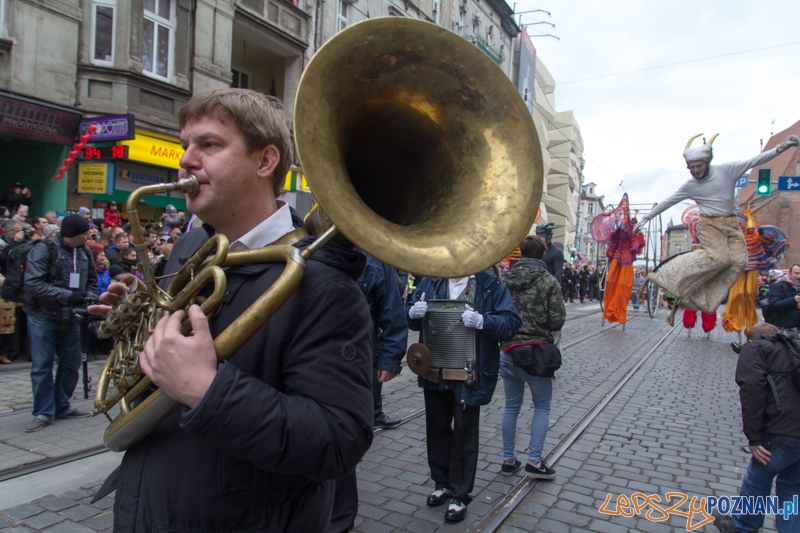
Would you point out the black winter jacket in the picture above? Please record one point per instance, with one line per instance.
(47, 284)
(783, 306)
(760, 413)
(290, 412)
(554, 259)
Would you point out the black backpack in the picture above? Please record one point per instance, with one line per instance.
(791, 339)
(13, 289)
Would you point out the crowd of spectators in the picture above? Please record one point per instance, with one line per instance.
(110, 243)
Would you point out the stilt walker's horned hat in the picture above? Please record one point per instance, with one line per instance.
(699, 153)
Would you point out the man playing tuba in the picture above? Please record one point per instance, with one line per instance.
(260, 437)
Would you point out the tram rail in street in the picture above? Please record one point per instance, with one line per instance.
(505, 507)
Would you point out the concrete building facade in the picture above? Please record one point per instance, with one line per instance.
(67, 60)
(676, 239)
(591, 205)
(562, 150)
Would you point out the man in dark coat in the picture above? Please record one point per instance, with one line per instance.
(260, 437)
(59, 275)
(771, 422)
(554, 257)
(452, 409)
(784, 299)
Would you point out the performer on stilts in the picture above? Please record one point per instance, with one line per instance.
(702, 278)
(615, 228)
(766, 246)
(689, 218)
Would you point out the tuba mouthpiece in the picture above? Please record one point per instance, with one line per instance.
(189, 185)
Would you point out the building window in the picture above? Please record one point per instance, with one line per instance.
(103, 33)
(341, 16)
(435, 14)
(241, 78)
(591, 208)
(476, 26)
(461, 16)
(677, 248)
(158, 37)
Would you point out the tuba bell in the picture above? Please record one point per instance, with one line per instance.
(419, 150)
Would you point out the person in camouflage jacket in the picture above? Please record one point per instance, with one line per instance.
(537, 297)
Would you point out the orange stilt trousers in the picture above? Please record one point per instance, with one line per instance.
(619, 285)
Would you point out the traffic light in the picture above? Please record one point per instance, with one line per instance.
(764, 184)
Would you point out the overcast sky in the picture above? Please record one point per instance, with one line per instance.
(635, 125)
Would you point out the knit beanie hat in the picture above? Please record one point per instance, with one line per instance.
(84, 211)
(73, 225)
(115, 270)
(49, 230)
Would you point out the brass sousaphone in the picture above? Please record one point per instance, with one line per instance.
(419, 150)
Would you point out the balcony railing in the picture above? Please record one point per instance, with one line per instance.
(481, 42)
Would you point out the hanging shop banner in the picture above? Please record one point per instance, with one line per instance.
(154, 151)
(110, 128)
(95, 178)
(130, 177)
(23, 117)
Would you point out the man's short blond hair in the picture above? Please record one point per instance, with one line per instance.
(258, 117)
(762, 328)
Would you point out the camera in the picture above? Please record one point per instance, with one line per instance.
(79, 315)
(75, 314)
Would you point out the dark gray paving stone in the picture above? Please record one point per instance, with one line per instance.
(20, 512)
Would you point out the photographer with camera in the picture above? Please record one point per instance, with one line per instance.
(59, 277)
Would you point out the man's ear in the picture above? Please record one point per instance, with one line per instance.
(270, 157)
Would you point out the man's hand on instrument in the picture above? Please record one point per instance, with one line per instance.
(791, 140)
(472, 319)
(419, 309)
(183, 367)
(117, 290)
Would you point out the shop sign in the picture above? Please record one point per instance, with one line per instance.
(295, 181)
(154, 151)
(110, 128)
(22, 117)
(131, 177)
(95, 178)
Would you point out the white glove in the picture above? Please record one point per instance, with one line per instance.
(640, 225)
(472, 319)
(791, 140)
(419, 309)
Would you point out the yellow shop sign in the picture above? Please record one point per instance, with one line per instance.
(154, 151)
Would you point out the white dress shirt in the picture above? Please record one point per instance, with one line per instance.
(270, 230)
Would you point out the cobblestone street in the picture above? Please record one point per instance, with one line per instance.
(674, 427)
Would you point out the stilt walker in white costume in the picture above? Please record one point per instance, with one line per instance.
(702, 278)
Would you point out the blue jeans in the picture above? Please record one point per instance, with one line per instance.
(48, 339)
(514, 380)
(783, 465)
